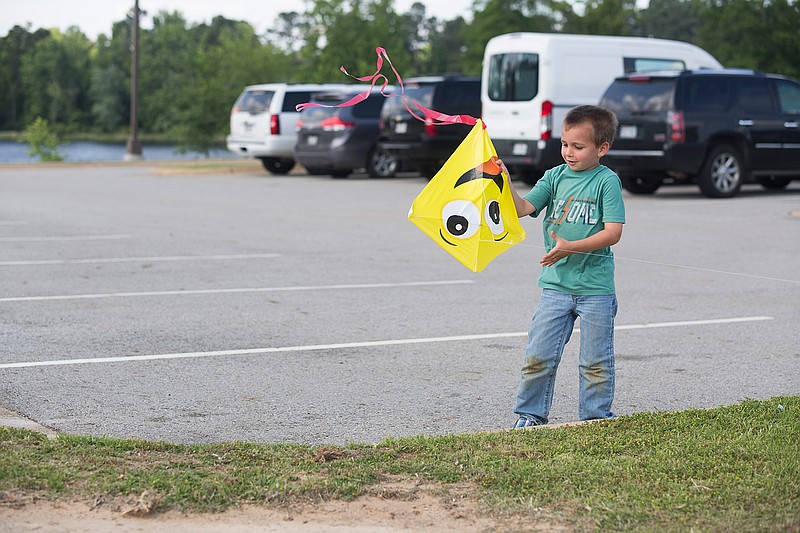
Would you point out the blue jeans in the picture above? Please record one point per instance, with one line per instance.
(550, 330)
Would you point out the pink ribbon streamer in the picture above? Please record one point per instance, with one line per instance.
(430, 116)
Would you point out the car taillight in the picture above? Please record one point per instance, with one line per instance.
(677, 128)
(546, 126)
(336, 124)
(430, 128)
(298, 125)
(274, 125)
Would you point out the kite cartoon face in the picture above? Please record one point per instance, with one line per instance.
(467, 208)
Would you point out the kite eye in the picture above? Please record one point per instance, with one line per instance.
(461, 218)
(493, 218)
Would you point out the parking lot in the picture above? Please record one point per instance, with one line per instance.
(204, 307)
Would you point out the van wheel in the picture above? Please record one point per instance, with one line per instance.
(774, 183)
(277, 165)
(640, 185)
(381, 164)
(722, 173)
(528, 175)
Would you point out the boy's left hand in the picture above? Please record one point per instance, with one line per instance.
(559, 251)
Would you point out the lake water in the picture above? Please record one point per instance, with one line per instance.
(86, 151)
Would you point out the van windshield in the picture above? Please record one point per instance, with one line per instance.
(513, 77)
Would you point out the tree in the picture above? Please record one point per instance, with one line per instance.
(218, 73)
(167, 55)
(758, 34)
(495, 17)
(608, 17)
(671, 19)
(19, 42)
(55, 77)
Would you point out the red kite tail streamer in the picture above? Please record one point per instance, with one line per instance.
(429, 116)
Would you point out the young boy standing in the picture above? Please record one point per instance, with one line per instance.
(583, 217)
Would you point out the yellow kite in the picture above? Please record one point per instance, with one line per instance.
(467, 208)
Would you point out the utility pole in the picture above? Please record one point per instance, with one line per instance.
(134, 148)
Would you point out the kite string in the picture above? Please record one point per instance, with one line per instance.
(430, 116)
(674, 265)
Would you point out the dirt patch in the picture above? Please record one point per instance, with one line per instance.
(391, 508)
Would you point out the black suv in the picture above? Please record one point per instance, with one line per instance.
(424, 145)
(718, 128)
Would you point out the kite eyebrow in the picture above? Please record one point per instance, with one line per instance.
(474, 174)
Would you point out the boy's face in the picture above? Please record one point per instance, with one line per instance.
(578, 148)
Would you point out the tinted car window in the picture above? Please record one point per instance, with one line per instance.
(254, 102)
(705, 94)
(789, 96)
(371, 107)
(292, 98)
(460, 94)
(652, 94)
(419, 93)
(753, 96)
(513, 77)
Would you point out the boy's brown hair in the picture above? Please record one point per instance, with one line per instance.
(603, 122)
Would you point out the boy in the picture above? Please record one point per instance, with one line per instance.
(584, 214)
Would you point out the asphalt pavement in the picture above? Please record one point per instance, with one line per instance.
(221, 306)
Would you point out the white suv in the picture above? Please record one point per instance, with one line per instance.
(263, 121)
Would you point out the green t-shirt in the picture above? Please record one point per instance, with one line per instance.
(576, 206)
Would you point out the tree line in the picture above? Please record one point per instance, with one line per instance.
(191, 74)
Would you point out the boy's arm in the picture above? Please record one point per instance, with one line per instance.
(523, 206)
(608, 236)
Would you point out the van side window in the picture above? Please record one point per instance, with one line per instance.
(705, 95)
(513, 77)
(789, 96)
(753, 96)
(633, 65)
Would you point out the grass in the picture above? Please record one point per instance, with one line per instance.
(734, 468)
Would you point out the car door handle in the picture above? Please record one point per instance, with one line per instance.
(790, 124)
(744, 122)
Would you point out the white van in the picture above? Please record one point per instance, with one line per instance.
(531, 80)
(264, 119)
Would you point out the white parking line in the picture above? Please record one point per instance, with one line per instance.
(230, 291)
(56, 238)
(365, 344)
(137, 259)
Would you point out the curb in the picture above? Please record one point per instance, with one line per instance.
(10, 419)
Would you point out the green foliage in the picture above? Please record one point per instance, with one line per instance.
(191, 74)
(42, 141)
(725, 469)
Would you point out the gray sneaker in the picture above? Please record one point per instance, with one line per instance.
(523, 422)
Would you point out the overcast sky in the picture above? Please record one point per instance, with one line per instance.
(96, 16)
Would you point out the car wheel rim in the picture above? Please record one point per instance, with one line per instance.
(384, 165)
(725, 173)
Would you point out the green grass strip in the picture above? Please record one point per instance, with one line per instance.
(734, 468)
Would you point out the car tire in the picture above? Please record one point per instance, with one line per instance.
(341, 173)
(278, 165)
(640, 185)
(722, 173)
(774, 183)
(427, 170)
(316, 171)
(381, 164)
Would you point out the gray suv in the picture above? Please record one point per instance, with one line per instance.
(716, 128)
